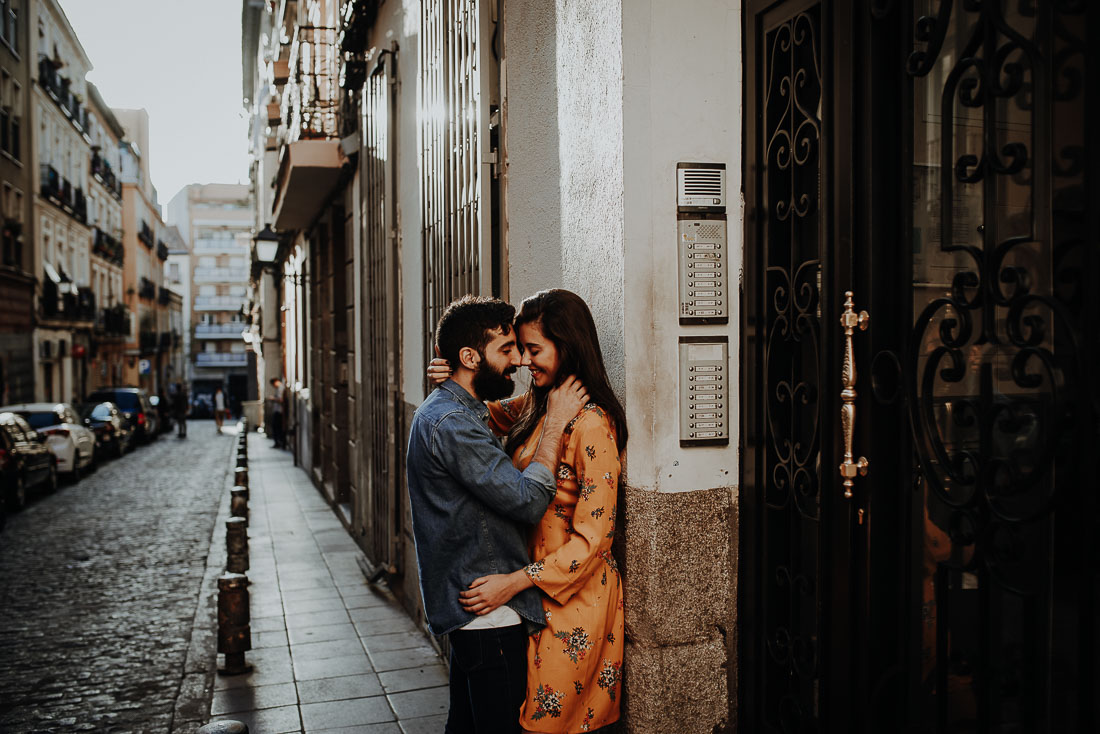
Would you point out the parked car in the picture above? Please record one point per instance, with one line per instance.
(25, 460)
(112, 431)
(67, 437)
(135, 406)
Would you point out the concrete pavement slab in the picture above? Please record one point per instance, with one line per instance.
(338, 689)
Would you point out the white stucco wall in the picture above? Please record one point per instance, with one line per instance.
(681, 102)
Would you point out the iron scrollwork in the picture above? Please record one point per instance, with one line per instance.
(791, 140)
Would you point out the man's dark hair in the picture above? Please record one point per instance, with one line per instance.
(467, 322)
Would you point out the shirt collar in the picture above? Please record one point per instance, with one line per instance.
(477, 407)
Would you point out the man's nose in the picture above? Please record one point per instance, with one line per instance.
(524, 359)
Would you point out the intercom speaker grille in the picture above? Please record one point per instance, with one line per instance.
(701, 186)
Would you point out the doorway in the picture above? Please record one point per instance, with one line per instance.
(918, 542)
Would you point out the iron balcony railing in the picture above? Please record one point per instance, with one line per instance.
(101, 170)
(218, 303)
(50, 185)
(113, 320)
(147, 289)
(162, 250)
(145, 235)
(147, 341)
(78, 306)
(312, 95)
(217, 244)
(164, 296)
(221, 275)
(221, 359)
(108, 247)
(59, 90)
(231, 330)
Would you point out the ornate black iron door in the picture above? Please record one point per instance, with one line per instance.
(785, 424)
(980, 584)
(939, 171)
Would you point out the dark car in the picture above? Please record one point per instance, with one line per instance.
(25, 460)
(135, 406)
(112, 431)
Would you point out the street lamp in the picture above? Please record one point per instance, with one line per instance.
(267, 246)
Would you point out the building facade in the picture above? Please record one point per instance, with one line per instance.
(177, 277)
(66, 312)
(17, 258)
(216, 221)
(114, 324)
(149, 348)
(753, 198)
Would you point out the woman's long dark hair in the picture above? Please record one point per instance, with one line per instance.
(565, 320)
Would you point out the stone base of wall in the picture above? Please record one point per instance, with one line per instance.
(679, 553)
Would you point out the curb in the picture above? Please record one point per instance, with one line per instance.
(192, 707)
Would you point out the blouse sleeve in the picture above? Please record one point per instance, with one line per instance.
(504, 413)
(588, 550)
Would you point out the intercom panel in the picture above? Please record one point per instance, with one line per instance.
(704, 390)
(704, 269)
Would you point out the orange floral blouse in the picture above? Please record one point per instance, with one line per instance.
(575, 663)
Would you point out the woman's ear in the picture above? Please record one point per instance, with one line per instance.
(469, 358)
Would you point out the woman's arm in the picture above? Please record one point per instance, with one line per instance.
(588, 550)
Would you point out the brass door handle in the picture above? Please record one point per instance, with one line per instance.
(849, 319)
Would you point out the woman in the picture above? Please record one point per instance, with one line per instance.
(575, 663)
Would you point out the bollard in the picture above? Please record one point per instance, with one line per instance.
(224, 727)
(234, 633)
(238, 503)
(242, 458)
(236, 544)
(240, 478)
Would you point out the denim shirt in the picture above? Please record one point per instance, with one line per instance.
(472, 510)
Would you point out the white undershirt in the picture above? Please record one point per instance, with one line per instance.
(502, 616)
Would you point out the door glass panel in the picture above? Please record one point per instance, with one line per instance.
(992, 374)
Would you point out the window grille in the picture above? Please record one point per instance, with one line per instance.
(455, 174)
(383, 439)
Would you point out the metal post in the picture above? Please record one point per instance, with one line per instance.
(238, 503)
(240, 479)
(236, 543)
(234, 633)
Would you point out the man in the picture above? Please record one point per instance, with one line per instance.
(179, 408)
(472, 509)
(275, 408)
(219, 409)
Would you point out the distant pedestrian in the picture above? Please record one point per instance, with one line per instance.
(275, 397)
(219, 408)
(179, 408)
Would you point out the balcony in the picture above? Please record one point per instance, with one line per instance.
(165, 341)
(145, 235)
(108, 247)
(102, 172)
(164, 296)
(232, 330)
(77, 304)
(218, 245)
(59, 90)
(113, 321)
(147, 342)
(309, 164)
(147, 289)
(221, 359)
(162, 250)
(218, 303)
(221, 275)
(50, 186)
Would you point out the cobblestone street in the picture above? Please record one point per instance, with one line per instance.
(98, 589)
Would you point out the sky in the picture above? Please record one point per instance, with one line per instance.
(181, 61)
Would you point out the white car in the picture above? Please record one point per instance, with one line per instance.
(70, 441)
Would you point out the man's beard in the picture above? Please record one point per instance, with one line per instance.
(489, 384)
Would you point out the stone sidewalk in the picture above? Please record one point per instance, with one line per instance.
(329, 653)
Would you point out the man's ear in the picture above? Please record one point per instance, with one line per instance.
(469, 358)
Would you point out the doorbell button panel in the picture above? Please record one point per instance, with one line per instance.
(704, 391)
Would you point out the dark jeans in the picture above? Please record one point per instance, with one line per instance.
(277, 429)
(488, 680)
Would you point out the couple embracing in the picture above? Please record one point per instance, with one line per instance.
(513, 512)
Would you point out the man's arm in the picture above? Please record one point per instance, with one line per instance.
(475, 459)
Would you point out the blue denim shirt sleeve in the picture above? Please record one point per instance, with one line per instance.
(474, 458)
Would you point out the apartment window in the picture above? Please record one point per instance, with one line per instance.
(11, 95)
(9, 23)
(174, 272)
